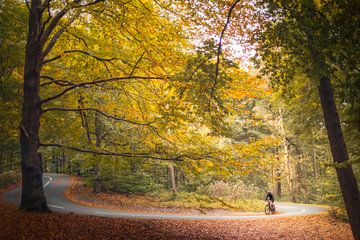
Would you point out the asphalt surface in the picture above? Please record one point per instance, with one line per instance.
(55, 185)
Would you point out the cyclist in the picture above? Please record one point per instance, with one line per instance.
(270, 199)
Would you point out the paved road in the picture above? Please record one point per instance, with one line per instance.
(55, 185)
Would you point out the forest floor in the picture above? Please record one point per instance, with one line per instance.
(21, 225)
(163, 202)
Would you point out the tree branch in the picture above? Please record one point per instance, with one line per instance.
(53, 24)
(56, 37)
(116, 154)
(60, 82)
(136, 64)
(95, 110)
(79, 51)
(57, 18)
(80, 110)
(97, 82)
(46, 5)
(79, 38)
(220, 46)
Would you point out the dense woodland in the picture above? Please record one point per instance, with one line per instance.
(221, 98)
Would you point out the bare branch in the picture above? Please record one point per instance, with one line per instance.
(46, 5)
(56, 37)
(60, 82)
(80, 110)
(158, 134)
(98, 111)
(89, 4)
(220, 46)
(54, 22)
(79, 51)
(116, 154)
(28, 7)
(79, 38)
(97, 82)
(136, 64)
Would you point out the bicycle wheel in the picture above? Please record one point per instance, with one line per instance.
(267, 209)
(273, 210)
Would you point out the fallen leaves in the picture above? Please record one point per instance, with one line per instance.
(20, 225)
(15, 224)
(79, 194)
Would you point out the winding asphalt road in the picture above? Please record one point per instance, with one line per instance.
(55, 185)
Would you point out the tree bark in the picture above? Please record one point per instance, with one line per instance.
(172, 177)
(97, 180)
(278, 184)
(32, 198)
(98, 133)
(11, 158)
(1, 159)
(314, 157)
(347, 180)
(287, 162)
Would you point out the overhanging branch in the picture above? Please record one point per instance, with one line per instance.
(110, 117)
(95, 110)
(60, 82)
(97, 82)
(126, 154)
(79, 51)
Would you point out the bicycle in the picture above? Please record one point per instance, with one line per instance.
(269, 208)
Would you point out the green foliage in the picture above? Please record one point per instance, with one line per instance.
(339, 212)
(9, 177)
(13, 19)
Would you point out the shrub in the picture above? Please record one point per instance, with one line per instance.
(8, 178)
(338, 212)
(232, 191)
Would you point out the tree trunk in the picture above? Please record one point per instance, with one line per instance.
(11, 158)
(54, 163)
(287, 162)
(32, 198)
(98, 133)
(278, 184)
(172, 177)
(1, 159)
(347, 180)
(314, 157)
(97, 180)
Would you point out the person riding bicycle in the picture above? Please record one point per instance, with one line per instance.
(270, 199)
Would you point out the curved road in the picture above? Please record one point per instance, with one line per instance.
(55, 185)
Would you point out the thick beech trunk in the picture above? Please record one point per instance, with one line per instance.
(32, 198)
(347, 180)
